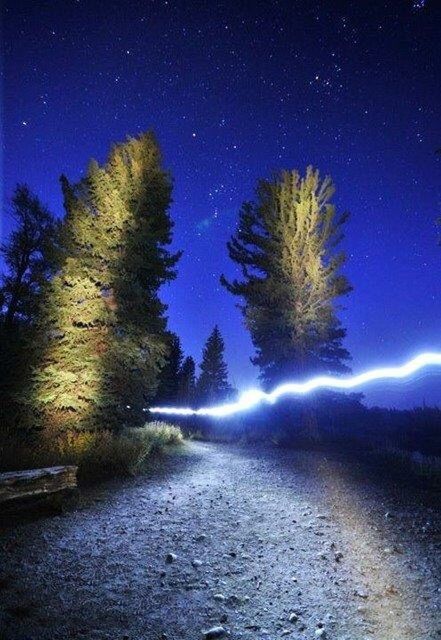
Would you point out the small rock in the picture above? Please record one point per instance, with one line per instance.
(219, 597)
(201, 537)
(338, 556)
(293, 617)
(196, 563)
(215, 632)
(253, 627)
(391, 590)
(234, 601)
(320, 633)
(170, 557)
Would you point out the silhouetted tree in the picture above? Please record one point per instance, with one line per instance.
(286, 248)
(102, 331)
(187, 382)
(169, 377)
(213, 385)
(29, 256)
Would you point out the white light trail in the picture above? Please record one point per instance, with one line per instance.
(253, 397)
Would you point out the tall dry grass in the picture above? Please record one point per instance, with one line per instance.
(100, 454)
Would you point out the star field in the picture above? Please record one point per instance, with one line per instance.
(235, 90)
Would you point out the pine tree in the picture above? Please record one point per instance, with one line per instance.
(286, 247)
(102, 328)
(187, 382)
(30, 259)
(212, 385)
(29, 256)
(169, 377)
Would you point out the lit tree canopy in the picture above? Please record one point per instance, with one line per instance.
(286, 246)
(102, 327)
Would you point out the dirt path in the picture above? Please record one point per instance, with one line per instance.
(268, 544)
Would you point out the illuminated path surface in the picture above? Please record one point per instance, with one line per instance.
(267, 528)
(254, 397)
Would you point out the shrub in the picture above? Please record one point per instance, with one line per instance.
(423, 466)
(98, 454)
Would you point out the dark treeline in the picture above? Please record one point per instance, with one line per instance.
(404, 441)
(178, 382)
(85, 346)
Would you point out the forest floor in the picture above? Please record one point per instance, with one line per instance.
(266, 543)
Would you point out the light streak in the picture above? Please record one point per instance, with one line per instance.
(253, 397)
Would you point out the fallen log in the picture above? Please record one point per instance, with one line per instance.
(19, 485)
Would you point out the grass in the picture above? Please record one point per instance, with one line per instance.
(420, 465)
(98, 455)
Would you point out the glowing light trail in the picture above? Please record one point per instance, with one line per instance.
(253, 397)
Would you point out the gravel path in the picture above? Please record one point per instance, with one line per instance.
(265, 544)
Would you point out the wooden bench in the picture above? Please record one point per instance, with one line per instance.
(33, 485)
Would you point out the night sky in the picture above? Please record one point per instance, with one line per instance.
(233, 91)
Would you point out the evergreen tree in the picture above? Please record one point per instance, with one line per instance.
(212, 385)
(169, 377)
(30, 259)
(102, 328)
(286, 247)
(29, 256)
(187, 382)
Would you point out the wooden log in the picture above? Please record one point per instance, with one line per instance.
(37, 482)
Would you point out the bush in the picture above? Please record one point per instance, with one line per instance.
(98, 455)
(125, 454)
(423, 466)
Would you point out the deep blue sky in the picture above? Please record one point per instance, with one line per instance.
(234, 90)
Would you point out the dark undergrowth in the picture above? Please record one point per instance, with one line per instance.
(98, 455)
(407, 441)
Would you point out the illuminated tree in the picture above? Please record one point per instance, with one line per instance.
(286, 246)
(102, 328)
(212, 385)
